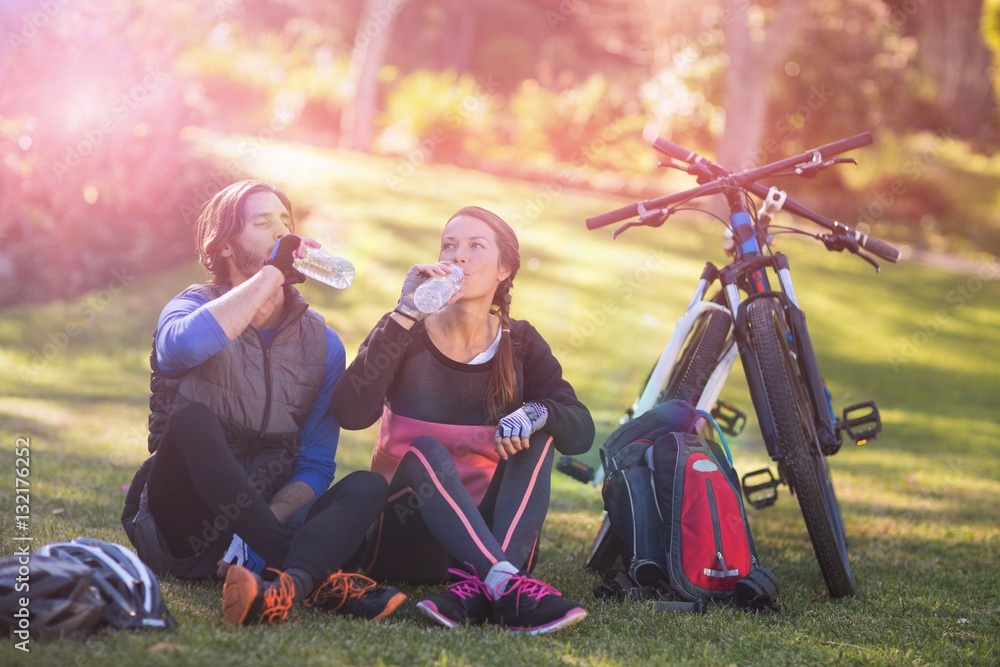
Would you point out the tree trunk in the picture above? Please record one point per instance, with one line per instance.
(357, 121)
(753, 69)
(952, 53)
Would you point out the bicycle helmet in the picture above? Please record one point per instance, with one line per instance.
(63, 602)
(129, 588)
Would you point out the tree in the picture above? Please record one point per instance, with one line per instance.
(357, 123)
(756, 56)
(953, 54)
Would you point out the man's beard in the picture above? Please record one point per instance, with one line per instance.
(247, 261)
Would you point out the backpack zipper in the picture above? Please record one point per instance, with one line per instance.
(724, 570)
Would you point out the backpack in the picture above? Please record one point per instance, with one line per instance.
(676, 511)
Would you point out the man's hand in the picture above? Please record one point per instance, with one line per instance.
(514, 431)
(240, 553)
(282, 257)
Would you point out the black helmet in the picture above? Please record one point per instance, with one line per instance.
(62, 599)
(128, 587)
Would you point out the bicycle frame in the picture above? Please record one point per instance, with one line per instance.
(752, 263)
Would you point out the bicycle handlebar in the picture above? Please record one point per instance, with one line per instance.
(723, 178)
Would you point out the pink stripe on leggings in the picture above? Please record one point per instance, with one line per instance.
(454, 506)
(527, 495)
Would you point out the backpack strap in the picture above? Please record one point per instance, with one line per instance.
(617, 585)
(757, 592)
(696, 607)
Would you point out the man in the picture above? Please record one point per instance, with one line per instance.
(242, 434)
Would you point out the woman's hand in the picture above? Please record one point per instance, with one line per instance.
(415, 277)
(514, 431)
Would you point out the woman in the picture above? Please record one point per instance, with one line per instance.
(472, 404)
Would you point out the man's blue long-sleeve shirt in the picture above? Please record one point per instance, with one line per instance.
(188, 334)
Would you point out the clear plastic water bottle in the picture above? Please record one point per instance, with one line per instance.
(326, 267)
(434, 292)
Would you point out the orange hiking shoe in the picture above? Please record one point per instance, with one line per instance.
(247, 599)
(355, 595)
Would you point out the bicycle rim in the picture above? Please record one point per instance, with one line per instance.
(807, 469)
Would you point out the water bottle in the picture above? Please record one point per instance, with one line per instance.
(434, 292)
(326, 267)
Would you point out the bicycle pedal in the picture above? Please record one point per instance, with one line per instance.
(731, 419)
(864, 426)
(578, 470)
(761, 494)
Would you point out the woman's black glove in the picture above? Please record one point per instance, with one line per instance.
(405, 306)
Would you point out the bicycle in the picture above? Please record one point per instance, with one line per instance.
(767, 330)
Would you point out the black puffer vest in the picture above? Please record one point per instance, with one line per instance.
(261, 395)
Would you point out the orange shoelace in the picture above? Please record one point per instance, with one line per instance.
(342, 585)
(278, 599)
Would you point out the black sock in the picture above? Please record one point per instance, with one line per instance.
(303, 583)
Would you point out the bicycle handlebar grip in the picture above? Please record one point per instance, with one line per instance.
(880, 248)
(676, 151)
(848, 144)
(612, 217)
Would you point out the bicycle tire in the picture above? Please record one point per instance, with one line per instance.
(698, 358)
(804, 464)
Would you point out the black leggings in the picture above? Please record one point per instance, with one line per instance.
(195, 483)
(431, 522)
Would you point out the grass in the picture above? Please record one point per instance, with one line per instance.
(920, 503)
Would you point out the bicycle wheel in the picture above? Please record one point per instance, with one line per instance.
(806, 467)
(698, 358)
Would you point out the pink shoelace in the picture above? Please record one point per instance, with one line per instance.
(531, 588)
(468, 585)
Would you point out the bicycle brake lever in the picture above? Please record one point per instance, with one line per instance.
(838, 243)
(670, 164)
(868, 258)
(810, 169)
(627, 225)
(647, 218)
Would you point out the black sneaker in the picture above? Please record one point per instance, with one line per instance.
(247, 599)
(355, 595)
(466, 601)
(532, 607)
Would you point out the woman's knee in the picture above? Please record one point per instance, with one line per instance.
(429, 455)
(429, 447)
(366, 486)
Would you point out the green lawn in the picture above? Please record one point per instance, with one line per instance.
(920, 503)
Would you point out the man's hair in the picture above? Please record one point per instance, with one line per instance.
(221, 220)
